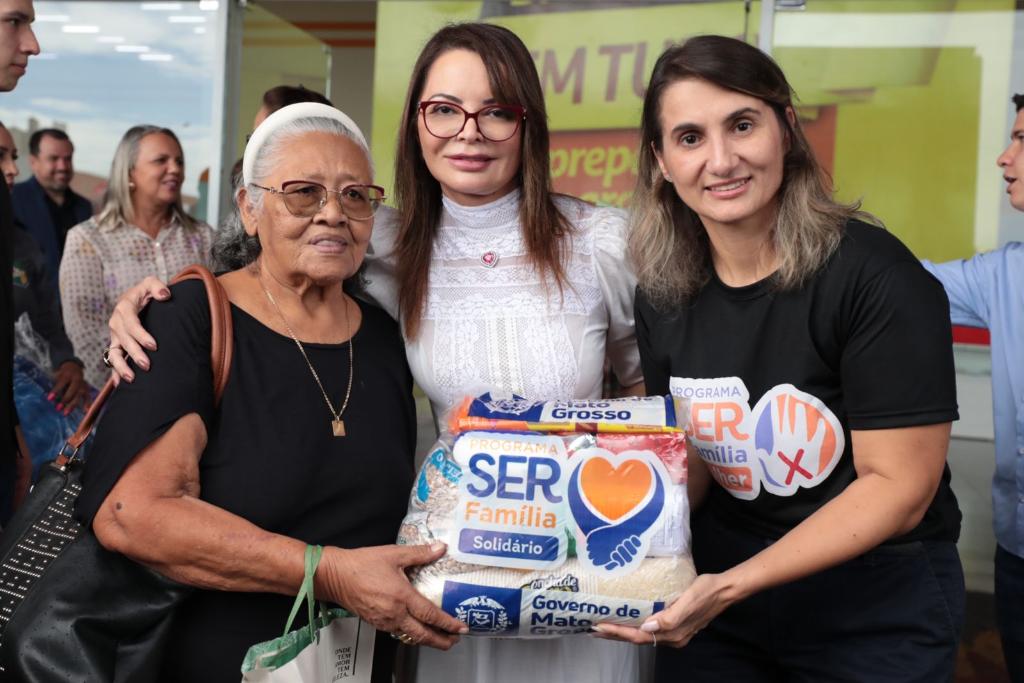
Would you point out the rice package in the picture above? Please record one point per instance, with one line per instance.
(562, 515)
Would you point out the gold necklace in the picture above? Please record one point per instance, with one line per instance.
(337, 424)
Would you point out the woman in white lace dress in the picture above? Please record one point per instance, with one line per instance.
(501, 284)
(498, 283)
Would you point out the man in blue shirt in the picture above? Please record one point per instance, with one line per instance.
(988, 291)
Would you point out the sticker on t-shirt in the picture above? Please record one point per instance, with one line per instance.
(790, 440)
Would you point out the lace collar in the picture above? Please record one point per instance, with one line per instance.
(494, 214)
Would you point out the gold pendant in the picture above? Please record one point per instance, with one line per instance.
(338, 427)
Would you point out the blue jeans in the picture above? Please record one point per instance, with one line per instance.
(892, 615)
(1010, 610)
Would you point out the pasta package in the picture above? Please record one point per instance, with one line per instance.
(549, 533)
(506, 412)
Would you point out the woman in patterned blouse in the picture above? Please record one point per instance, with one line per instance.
(142, 230)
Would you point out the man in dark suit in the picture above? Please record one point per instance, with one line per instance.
(45, 204)
(17, 44)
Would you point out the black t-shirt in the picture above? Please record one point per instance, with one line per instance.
(777, 379)
(271, 456)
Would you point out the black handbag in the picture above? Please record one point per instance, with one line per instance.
(71, 610)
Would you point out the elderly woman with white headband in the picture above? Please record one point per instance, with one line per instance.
(312, 441)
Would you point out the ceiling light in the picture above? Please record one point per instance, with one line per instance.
(162, 6)
(79, 28)
(109, 39)
(52, 17)
(156, 57)
(208, 5)
(131, 48)
(187, 19)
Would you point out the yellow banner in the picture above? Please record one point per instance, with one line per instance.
(883, 88)
(594, 64)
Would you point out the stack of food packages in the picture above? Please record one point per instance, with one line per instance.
(558, 515)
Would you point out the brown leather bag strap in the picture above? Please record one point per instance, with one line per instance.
(221, 345)
(221, 340)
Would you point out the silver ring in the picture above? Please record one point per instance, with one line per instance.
(106, 355)
(406, 639)
(654, 641)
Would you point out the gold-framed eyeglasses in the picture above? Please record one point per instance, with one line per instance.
(304, 198)
(496, 122)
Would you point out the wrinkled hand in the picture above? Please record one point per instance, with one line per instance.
(705, 599)
(69, 387)
(127, 335)
(371, 582)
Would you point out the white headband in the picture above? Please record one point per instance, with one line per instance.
(286, 115)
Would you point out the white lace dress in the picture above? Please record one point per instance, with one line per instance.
(491, 322)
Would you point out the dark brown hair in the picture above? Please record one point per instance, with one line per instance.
(668, 243)
(36, 139)
(513, 80)
(281, 96)
(1018, 101)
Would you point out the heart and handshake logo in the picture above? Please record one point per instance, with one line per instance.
(617, 502)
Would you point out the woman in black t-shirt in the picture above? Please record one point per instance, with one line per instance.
(816, 355)
(313, 438)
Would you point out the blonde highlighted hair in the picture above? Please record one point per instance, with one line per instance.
(668, 244)
(117, 202)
